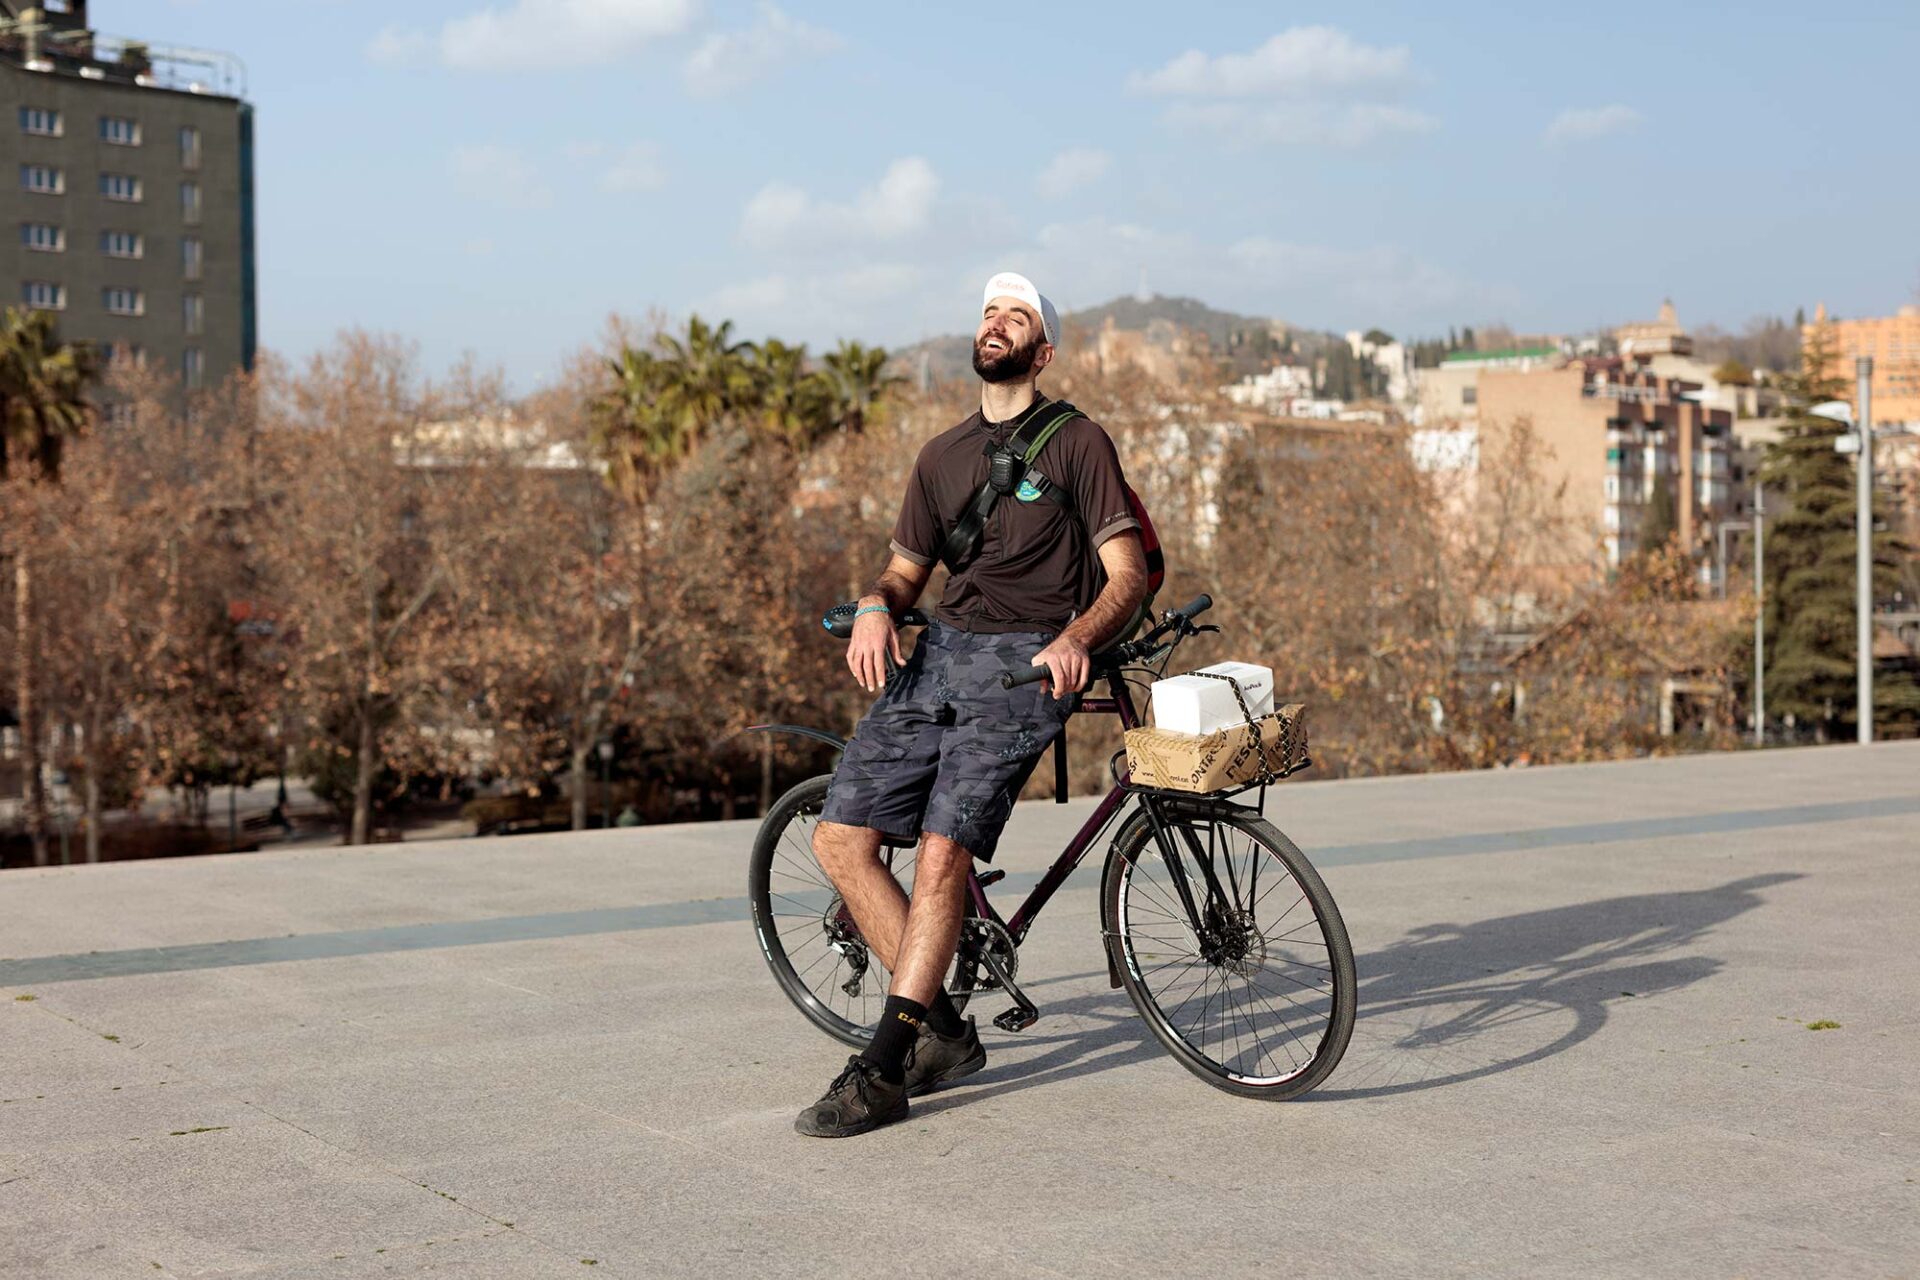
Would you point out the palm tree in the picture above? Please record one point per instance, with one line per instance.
(795, 403)
(858, 379)
(630, 429)
(708, 376)
(43, 402)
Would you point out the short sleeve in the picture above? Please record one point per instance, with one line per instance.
(916, 531)
(1099, 486)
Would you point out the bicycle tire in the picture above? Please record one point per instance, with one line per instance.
(1146, 932)
(796, 922)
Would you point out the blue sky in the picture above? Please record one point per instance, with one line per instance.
(498, 176)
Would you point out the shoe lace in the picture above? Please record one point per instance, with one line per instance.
(859, 1072)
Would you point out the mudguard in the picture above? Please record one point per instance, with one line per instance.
(833, 740)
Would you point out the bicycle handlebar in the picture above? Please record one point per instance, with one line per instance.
(1174, 618)
(839, 620)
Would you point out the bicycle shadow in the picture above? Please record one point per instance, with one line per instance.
(1448, 1003)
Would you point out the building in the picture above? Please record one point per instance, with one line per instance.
(1392, 362)
(1615, 436)
(1894, 343)
(1449, 394)
(1663, 348)
(133, 191)
(1275, 390)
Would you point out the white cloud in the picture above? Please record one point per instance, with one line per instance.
(1299, 62)
(878, 299)
(1307, 86)
(733, 59)
(784, 217)
(499, 175)
(479, 247)
(1090, 260)
(1580, 124)
(539, 35)
(1328, 124)
(583, 149)
(1072, 169)
(636, 168)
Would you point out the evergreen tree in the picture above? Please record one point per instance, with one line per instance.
(1810, 605)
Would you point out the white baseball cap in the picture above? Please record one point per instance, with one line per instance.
(1011, 284)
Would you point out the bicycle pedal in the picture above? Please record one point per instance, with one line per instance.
(1017, 1019)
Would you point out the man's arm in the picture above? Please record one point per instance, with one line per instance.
(1067, 657)
(874, 636)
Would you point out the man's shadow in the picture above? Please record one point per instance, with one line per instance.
(1446, 1003)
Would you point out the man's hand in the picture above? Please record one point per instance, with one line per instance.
(1067, 659)
(874, 640)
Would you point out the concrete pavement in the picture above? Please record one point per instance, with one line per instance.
(1583, 1047)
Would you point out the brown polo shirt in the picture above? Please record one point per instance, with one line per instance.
(1036, 568)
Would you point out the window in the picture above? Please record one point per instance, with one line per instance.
(42, 237)
(45, 179)
(121, 186)
(193, 314)
(126, 355)
(45, 295)
(41, 121)
(124, 302)
(189, 148)
(193, 367)
(123, 244)
(191, 257)
(1469, 395)
(190, 201)
(120, 131)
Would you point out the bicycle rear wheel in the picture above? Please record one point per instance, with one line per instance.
(1260, 1000)
(809, 939)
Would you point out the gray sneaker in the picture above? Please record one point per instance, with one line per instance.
(857, 1101)
(935, 1059)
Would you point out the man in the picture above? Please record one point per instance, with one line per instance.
(943, 752)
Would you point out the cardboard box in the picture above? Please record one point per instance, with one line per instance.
(1222, 759)
(1193, 703)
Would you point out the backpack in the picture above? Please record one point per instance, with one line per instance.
(1009, 473)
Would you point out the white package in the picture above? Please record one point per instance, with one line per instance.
(1194, 704)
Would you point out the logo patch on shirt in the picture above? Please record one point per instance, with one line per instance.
(1028, 491)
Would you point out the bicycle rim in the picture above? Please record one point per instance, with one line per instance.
(811, 943)
(1261, 1001)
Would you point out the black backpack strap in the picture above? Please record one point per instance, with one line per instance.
(1004, 475)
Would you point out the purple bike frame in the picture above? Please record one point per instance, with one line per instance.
(1120, 703)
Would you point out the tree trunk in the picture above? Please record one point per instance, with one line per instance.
(363, 780)
(33, 788)
(90, 763)
(582, 784)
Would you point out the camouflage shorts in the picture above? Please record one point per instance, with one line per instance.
(945, 749)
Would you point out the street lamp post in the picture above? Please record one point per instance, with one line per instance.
(1759, 624)
(605, 752)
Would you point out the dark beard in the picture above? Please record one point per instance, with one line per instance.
(1010, 366)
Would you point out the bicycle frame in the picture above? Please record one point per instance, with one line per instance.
(1118, 702)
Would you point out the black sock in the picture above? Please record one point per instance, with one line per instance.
(943, 1018)
(899, 1027)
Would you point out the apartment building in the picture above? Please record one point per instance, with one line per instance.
(131, 192)
(1614, 434)
(1449, 394)
(1894, 343)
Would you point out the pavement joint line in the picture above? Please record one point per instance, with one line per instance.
(17, 973)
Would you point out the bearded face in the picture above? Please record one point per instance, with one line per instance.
(999, 357)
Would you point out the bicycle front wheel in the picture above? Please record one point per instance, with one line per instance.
(1259, 999)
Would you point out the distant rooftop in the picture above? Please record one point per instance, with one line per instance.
(1505, 353)
(56, 40)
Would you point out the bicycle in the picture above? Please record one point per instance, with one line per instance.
(1185, 916)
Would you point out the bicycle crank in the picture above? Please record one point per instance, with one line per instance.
(1024, 1013)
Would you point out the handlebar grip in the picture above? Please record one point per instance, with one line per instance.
(1201, 603)
(1032, 675)
(839, 620)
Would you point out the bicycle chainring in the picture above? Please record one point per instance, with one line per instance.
(979, 937)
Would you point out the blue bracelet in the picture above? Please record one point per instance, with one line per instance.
(873, 608)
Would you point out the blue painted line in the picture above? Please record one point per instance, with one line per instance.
(43, 970)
